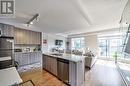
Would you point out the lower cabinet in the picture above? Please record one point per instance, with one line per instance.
(18, 58)
(70, 72)
(53, 62)
(27, 58)
(50, 64)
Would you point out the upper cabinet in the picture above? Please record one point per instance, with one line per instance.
(23, 36)
(7, 30)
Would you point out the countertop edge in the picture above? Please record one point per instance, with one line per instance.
(61, 57)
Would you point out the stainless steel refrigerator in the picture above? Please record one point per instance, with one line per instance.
(6, 46)
(6, 49)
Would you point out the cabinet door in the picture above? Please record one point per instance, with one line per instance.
(53, 63)
(35, 57)
(15, 36)
(36, 38)
(45, 62)
(20, 61)
(18, 36)
(28, 36)
(24, 36)
(39, 38)
(9, 31)
(33, 40)
(39, 56)
(18, 58)
(50, 64)
(25, 58)
(37, 35)
(31, 37)
(32, 58)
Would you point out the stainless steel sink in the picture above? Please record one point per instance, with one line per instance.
(57, 54)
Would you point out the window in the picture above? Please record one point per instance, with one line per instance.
(103, 46)
(78, 43)
(109, 46)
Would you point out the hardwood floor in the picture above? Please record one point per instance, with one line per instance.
(103, 73)
(41, 78)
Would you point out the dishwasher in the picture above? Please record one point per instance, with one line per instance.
(63, 70)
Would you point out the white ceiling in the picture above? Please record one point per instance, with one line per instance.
(67, 17)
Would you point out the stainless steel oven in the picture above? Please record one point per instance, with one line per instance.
(6, 50)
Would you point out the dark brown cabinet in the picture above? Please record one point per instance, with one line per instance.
(23, 36)
(50, 64)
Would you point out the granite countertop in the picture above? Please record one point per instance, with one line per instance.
(70, 57)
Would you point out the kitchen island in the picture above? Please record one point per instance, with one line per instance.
(67, 67)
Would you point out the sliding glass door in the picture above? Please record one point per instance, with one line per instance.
(103, 47)
(110, 46)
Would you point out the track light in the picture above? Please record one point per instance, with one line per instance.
(31, 21)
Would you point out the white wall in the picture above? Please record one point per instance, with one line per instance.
(92, 42)
(51, 41)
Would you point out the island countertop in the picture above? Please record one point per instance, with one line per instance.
(70, 57)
